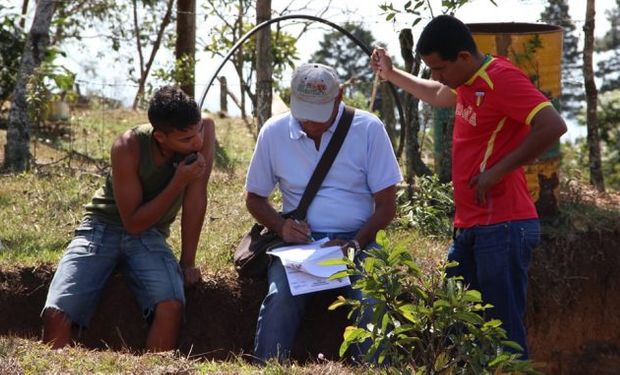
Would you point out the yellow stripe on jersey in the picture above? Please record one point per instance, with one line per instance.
(482, 73)
(536, 109)
(491, 144)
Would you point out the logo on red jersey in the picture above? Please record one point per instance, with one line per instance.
(467, 113)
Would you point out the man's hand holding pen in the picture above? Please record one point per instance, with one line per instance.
(295, 231)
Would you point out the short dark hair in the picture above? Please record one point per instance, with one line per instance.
(447, 36)
(171, 109)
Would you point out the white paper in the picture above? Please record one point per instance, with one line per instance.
(304, 272)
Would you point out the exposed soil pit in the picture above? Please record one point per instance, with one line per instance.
(573, 314)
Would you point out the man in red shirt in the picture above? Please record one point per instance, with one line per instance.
(501, 122)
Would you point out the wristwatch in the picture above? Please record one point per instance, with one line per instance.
(355, 245)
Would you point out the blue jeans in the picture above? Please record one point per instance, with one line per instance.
(147, 261)
(281, 313)
(494, 259)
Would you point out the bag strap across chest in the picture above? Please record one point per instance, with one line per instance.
(331, 151)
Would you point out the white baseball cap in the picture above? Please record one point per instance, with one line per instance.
(313, 92)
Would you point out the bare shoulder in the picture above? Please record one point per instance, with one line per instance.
(209, 124)
(126, 145)
(209, 135)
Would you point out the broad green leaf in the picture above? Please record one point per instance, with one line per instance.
(512, 345)
(498, 360)
(339, 275)
(384, 323)
(395, 256)
(473, 296)
(469, 317)
(341, 301)
(334, 262)
(494, 323)
(409, 312)
(413, 266)
(381, 237)
(343, 348)
(441, 303)
(352, 333)
(369, 264)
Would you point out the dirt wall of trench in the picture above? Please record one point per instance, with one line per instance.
(573, 315)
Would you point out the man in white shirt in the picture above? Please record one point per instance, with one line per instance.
(356, 199)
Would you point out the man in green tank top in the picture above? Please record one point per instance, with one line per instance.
(156, 169)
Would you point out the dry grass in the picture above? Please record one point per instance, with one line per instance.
(23, 356)
(39, 211)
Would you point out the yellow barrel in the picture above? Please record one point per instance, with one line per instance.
(537, 50)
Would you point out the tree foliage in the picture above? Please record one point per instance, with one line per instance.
(609, 119)
(135, 31)
(74, 17)
(343, 54)
(556, 13)
(609, 45)
(236, 18)
(608, 115)
(16, 150)
(12, 40)
(418, 9)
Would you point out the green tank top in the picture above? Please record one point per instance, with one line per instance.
(153, 179)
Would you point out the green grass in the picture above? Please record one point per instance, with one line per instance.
(23, 356)
(92, 131)
(39, 211)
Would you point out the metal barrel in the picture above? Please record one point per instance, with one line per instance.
(537, 50)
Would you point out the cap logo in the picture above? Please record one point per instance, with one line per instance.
(312, 88)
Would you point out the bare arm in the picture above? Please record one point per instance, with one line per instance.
(288, 229)
(547, 127)
(429, 91)
(136, 215)
(195, 206)
(385, 210)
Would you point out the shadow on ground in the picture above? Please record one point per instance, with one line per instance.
(572, 317)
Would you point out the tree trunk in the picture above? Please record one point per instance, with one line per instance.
(443, 119)
(185, 48)
(223, 93)
(387, 112)
(263, 64)
(239, 62)
(414, 166)
(594, 146)
(16, 151)
(145, 68)
(22, 20)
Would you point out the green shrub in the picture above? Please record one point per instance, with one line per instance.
(12, 40)
(424, 323)
(429, 207)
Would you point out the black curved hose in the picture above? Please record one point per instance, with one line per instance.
(247, 35)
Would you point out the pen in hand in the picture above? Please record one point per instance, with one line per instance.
(309, 235)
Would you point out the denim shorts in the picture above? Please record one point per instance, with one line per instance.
(146, 260)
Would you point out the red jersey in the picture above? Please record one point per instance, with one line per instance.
(492, 118)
